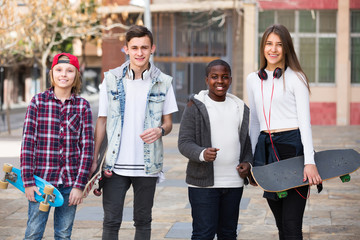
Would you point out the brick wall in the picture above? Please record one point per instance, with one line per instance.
(112, 54)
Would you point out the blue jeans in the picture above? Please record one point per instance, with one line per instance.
(215, 211)
(114, 193)
(63, 219)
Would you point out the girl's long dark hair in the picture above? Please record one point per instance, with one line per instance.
(290, 59)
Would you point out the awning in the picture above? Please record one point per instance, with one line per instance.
(174, 7)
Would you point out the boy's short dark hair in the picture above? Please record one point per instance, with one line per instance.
(216, 63)
(138, 31)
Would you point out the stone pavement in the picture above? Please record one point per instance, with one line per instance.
(332, 214)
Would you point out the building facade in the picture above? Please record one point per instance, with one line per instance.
(326, 35)
(189, 34)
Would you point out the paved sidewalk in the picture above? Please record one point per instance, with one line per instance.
(332, 214)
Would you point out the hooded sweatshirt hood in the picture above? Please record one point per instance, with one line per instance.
(120, 72)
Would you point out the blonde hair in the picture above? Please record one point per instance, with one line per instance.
(76, 86)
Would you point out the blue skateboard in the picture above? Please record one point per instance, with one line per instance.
(50, 196)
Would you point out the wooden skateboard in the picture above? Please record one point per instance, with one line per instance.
(98, 174)
(50, 196)
(286, 174)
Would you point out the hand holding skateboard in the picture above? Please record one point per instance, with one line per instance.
(289, 173)
(49, 195)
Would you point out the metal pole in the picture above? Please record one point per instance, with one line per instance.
(147, 14)
(35, 77)
(1, 87)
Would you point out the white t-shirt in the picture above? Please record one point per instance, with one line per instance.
(290, 108)
(130, 161)
(224, 125)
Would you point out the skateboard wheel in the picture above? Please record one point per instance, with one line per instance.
(282, 194)
(7, 167)
(4, 185)
(44, 207)
(107, 173)
(48, 189)
(345, 178)
(97, 192)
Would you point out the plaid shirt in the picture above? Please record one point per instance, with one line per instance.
(58, 140)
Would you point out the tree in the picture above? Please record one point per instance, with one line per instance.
(41, 25)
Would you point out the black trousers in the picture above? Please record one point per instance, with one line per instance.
(289, 211)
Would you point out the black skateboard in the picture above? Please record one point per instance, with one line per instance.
(283, 175)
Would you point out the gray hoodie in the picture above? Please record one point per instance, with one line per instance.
(195, 136)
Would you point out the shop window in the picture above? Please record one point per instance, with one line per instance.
(200, 34)
(162, 33)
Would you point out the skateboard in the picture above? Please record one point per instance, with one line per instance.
(283, 175)
(96, 177)
(50, 196)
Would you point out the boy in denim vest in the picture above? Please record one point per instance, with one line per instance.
(135, 107)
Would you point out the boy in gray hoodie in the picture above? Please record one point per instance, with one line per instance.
(214, 137)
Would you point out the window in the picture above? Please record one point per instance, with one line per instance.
(355, 46)
(314, 38)
(287, 19)
(185, 43)
(266, 18)
(307, 21)
(326, 60)
(307, 54)
(162, 33)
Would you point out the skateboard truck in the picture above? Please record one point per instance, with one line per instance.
(282, 194)
(97, 191)
(48, 192)
(7, 168)
(345, 178)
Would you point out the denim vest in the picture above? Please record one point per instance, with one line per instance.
(116, 92)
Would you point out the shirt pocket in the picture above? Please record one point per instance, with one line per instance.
(74, 123)
(156, 103)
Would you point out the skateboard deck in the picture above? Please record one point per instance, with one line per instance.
(283, 175)
(97, 175)
(50, 196)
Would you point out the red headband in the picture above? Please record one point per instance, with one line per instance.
(72, 60)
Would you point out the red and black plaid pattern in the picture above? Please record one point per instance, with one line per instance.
(57, 143)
